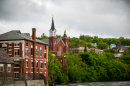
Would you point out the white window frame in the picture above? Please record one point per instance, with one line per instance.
(9, 51)
(36, 51)
(9, 65)
(26, 64)
(2, 66)
(40, 64)
(17, 75)
(17, 52)
(45, 65)
(45, 74)
(9, 44)
(31, 63)
(26, 52)
(16, 44)
(26, 75)
(26, 43)
(14, 64)
(36, 64)
(40, 52)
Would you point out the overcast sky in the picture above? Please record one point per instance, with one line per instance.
(103, 18)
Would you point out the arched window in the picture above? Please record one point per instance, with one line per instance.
(60, 49)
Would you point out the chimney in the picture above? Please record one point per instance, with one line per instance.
(34, 34)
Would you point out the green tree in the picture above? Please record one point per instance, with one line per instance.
(54, 70)
(102, 45)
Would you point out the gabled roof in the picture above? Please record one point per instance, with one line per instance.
(17, 35)
(47, 41)
(14, 35)
(61, 40)
(4, 58)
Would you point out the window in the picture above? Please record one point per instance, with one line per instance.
(44, 55)
(44, 73)
(26, 43)
(16, 52)
(60, 49)
(9, 68)
(26, 63)
(4, 48)
(40, 52)
(41, 64)
(26, 52)
(36, 51)
(10, 45)
(26, 75)
(45, 65)
(37, 64)
(16, 44)
(31, 51)
(44, 47)
(31, 63)
(16, 75)
(10, 51)
(31, 75)
(1, 67)
(16, 63)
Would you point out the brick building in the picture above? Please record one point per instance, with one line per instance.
(80, 48)
(29, 54)
(76, 49)
(95, 50)
(121, 48)
(6, 66)
(58, 46)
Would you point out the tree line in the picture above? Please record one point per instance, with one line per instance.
(89, 66)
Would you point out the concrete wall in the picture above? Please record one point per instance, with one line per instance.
(26, 83)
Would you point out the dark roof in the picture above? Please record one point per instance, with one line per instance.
(47, 40)
(16, 35)
(65, 36)
(52, 25)
(4, 58)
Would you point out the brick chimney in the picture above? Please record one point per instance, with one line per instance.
(34, 34)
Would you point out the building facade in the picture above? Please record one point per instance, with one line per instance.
(57, 46)
(29, 54)
(6, 66)
(80, 48)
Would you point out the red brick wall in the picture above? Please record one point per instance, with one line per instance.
(51, 46)
(60, 43)
(66, 47)
(38, 58)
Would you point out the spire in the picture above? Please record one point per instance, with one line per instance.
(52, 25)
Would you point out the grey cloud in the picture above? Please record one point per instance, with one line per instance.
(99, 17)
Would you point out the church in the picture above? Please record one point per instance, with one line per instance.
(57, 46)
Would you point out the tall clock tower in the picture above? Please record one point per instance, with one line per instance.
(52, 37)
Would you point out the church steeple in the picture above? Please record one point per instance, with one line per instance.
(52, 30)
(52, 24)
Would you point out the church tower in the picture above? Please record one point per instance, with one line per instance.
(66, 41)
(52, 37)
